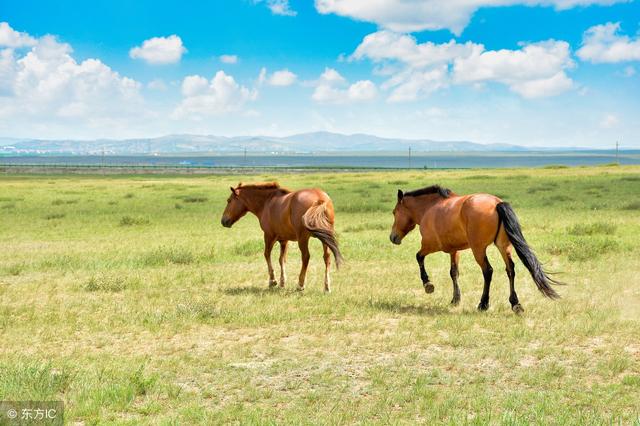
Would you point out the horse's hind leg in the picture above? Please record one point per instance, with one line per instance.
(487, 272)
(268, 246)
(428, 287)
(453, 272)
(283, 260)
(327, 265)
(505, 251)
(303, 244)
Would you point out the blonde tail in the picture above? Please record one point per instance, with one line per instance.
(317, 223)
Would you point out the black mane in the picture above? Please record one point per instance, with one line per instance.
(433, 189)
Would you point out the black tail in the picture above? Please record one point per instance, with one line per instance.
(512, 228)
(317, 223)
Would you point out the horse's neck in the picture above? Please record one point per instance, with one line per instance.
(256, 200)
(418, 206)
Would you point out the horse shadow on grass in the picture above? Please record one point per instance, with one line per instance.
(258, 291)
(393, 306)
(249, 290)
(399, 307)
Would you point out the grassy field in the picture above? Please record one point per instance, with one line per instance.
(125, 298)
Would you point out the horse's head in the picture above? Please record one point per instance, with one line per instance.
(402, 223)
(236, 208)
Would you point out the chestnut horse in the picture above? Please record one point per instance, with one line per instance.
(287, 216)
(450, 223)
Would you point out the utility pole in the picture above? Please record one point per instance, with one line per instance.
(409, 157)
(245, 156)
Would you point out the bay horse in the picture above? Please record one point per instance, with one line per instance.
(287, 216)
(450, 223)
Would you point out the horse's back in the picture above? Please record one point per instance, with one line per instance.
(303, 199)
(292, 207)
(460, 220)
(309, 196)
(481, 218)
(479, 207)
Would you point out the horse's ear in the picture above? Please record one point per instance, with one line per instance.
(233, 190)
(400, 195)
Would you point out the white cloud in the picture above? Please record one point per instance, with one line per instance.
(220, 95)
(8, 67)
(413, 84)
(333, 88)
(543, 87)
(362, 90)
(229, 59)
(387, 45)
(331, 77)
(604, 44)
(194, 85)
(157, 84)
(535, 70)
(609, 121)
(279, 7)
(47, 86)
(412, 15)
(282, 78)
(159, 50)
(14, 39)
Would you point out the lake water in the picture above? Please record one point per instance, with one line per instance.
(429, 160)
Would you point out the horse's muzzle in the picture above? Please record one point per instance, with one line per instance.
(395, 239)
(226, 222)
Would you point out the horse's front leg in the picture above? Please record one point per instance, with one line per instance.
(269, 241)
(428, 287)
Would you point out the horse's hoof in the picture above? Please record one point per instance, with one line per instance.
(327, 290)
(483, 306)
(300, 288)
(518, 309)
(428, 288)
(455, 302)
(272, 283)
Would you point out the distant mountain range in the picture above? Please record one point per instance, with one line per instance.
(301, 143)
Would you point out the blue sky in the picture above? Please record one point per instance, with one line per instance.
(531, 72)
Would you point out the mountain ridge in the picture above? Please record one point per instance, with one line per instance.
(302, 143)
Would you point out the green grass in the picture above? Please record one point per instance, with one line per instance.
(130, 221)
(194, 199)
(52, 216)
(124, 297)
(592, 228)
(161, 256)
(113, 282)
(583, 249)
(634, 205)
